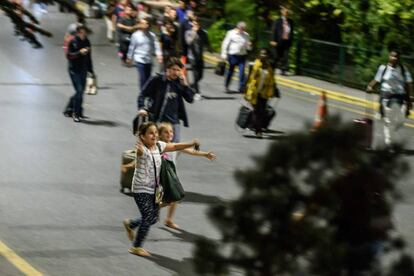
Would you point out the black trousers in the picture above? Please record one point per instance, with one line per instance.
(197, 67)
(282, 55)
(123, 48)
(259, 114)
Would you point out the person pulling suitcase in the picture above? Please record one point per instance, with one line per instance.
(261, 86)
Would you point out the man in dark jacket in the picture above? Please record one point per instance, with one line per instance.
(197, 41)
(282, 37)
(80, 63)
(166, 94)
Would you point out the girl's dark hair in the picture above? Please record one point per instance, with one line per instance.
(143, 128)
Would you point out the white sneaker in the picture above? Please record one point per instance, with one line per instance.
(197, 97)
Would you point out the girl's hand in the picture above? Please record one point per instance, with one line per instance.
(196, 144)
(211, 156)
(140, 147)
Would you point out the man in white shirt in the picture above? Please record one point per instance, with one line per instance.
(143, 46)
(395, 84)
(234, 48)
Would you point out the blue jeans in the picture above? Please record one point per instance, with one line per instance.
(144, 72)
(177, 133)
(240, 61)
(75, 102)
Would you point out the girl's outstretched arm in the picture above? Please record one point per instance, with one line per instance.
(209, 155)
(181, 146)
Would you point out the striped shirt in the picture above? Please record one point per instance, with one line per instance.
(144, 175)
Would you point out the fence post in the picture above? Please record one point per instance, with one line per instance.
(299, 55)
(341, 74)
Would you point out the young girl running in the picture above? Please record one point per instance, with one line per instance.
(166, 134)
(145, 180)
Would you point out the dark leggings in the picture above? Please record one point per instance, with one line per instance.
(149, 215)
(259, 114)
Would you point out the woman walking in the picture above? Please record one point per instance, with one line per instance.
(261, 86)
(145, 182)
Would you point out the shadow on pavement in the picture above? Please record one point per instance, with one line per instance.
(182, 267)
(273, 131)
(183, 235)
(97, 122)
(265, 137)
(409, 152)
(218, 98)
(200, 198)
(233, 92)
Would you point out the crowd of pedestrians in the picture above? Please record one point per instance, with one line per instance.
(161, 97)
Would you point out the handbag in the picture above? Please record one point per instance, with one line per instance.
(172, 189)
(91, 87)
(220, 68)
(244, 117)
(159, 191)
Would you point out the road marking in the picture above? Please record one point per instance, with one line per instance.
(17, 261)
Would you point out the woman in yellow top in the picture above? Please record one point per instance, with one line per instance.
(260, 87)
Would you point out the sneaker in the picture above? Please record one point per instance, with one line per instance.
(67, 114)
(76, 119)
(139, 251)
(130, 232)
(197, 97)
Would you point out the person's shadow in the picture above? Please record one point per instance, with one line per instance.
(193, 197)
(98, 122)
(182, 267)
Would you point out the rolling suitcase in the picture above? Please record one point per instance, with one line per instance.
(127, 173)
(129, 158)
(365, 126)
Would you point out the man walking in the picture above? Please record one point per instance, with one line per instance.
(196, 39)
(282, 34)
(234, 48)
(167, 94)
(395, 83)
(80, 63)
(143, 46)
(126, 26)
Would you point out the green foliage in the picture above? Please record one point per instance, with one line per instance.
(315, 203)
(216, 34)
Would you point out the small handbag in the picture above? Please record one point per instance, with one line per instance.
(91, 87)
(220, 68)
(159, 191)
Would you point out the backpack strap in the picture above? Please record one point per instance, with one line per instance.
(383, 73)
(159, 147)
(403, 73)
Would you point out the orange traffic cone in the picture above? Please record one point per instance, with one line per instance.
(321, 112)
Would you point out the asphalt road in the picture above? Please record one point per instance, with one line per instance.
(60, 206)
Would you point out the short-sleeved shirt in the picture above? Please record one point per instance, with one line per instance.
(144, 180)
(392, 81)
(127, 22)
